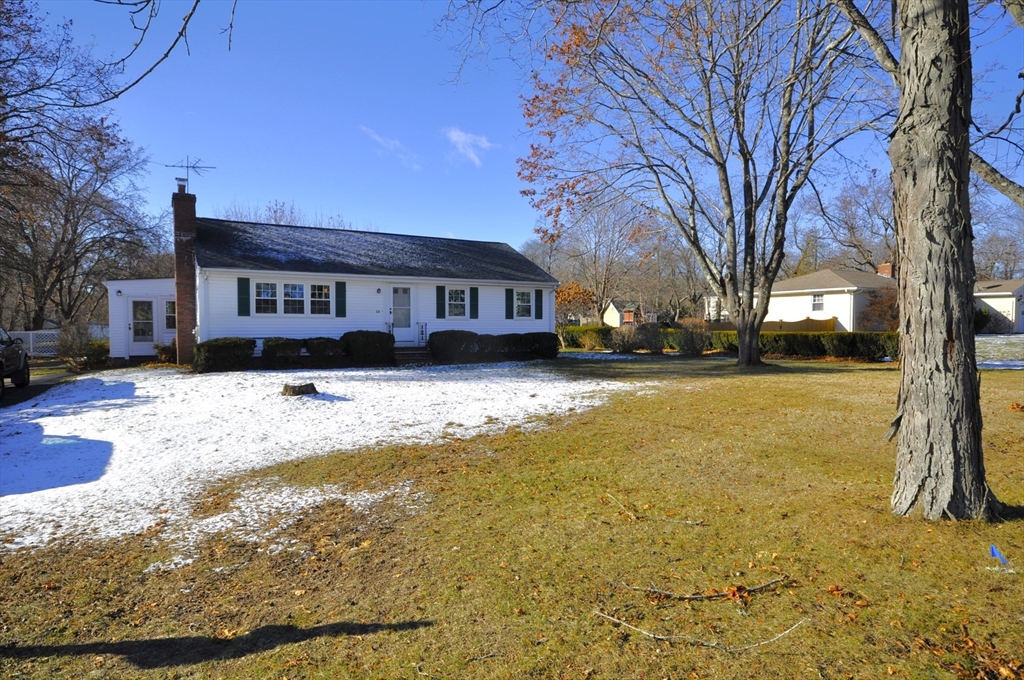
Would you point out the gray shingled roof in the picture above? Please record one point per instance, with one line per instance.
(273, 247)
(830, 279)
(998, 286)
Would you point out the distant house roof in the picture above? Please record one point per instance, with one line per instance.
(831, 279)
(1005, 287)
(245, 245)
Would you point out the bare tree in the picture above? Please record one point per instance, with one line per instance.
(939, 461)
(279, 212)
(859, 219)
(76, 222)
(709, 115)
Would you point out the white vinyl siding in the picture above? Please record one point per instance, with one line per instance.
(366, 309)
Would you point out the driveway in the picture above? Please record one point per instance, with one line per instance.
(38, 385)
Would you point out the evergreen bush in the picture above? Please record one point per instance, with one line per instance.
(326, 353)
(223, 354)
(369, 348)
(281, 353)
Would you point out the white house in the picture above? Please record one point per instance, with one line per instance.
(262, 280)
(839, 293)
(1005, 298)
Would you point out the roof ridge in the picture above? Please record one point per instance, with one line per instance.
(356, 231)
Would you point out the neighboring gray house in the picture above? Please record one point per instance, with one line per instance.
(262, 280)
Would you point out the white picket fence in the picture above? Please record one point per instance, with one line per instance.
(44, 343)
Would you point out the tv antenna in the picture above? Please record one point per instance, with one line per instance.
(191, 165)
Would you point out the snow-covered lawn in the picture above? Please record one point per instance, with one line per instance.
(1000, 351)
(115, 452)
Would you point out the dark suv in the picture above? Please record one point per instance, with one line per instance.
(13, 362)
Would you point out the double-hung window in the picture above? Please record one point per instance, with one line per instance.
(817, 302)
(266, 298)
(524, 304)
(319, 299)
(456, 302)
(170, 315)
(294, 298)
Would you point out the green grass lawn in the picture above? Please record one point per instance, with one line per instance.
(712, 481)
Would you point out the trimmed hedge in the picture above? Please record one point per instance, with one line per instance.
(326, 353)
(467, 347)
(573, 335)
(866, 345)
(281, 352)
(369, 348)
(223, 354)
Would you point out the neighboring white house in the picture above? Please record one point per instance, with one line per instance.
(1005, 298)
(262, 280)
(839, 293)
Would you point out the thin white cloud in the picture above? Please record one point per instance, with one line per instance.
(395, 147)
(468, 145)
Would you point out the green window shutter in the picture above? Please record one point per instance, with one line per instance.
(442, 302)
(538, 296)
(243, 297)
(474, 303)
(340, 305)
(510, 303)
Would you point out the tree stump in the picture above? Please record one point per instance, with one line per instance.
(296, 390)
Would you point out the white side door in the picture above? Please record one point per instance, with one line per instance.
(403, 325)
(141, 327)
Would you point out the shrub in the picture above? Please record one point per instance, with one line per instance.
(586, 337)
(591, 340)
(460, 347)
(166, 354)
(689, 337)
(624, 340)
(326, 352)
(649, 337)
(464, 347)
(223, 354)
(369, 348)
(542, 345)
(869, 345)
(77, 349)
(281, 352)
(980, 319)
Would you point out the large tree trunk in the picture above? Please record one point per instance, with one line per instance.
(748, 330)
(939, 464)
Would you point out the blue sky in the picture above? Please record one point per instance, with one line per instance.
(342, 107)
(349, 108)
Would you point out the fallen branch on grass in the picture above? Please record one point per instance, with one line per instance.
(638, 518)
(734, 593)
(703, 643)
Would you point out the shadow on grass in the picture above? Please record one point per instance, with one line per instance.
(1008, 513)
(179, 651)
(661, 367)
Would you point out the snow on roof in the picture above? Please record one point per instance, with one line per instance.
(275, 247)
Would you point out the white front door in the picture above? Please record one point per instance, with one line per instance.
(402, 322)
(141, 328)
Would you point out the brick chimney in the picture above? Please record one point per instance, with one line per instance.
(885, 269)
(183, 205)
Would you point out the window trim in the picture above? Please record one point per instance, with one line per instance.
(817, 302)
(313, 300)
